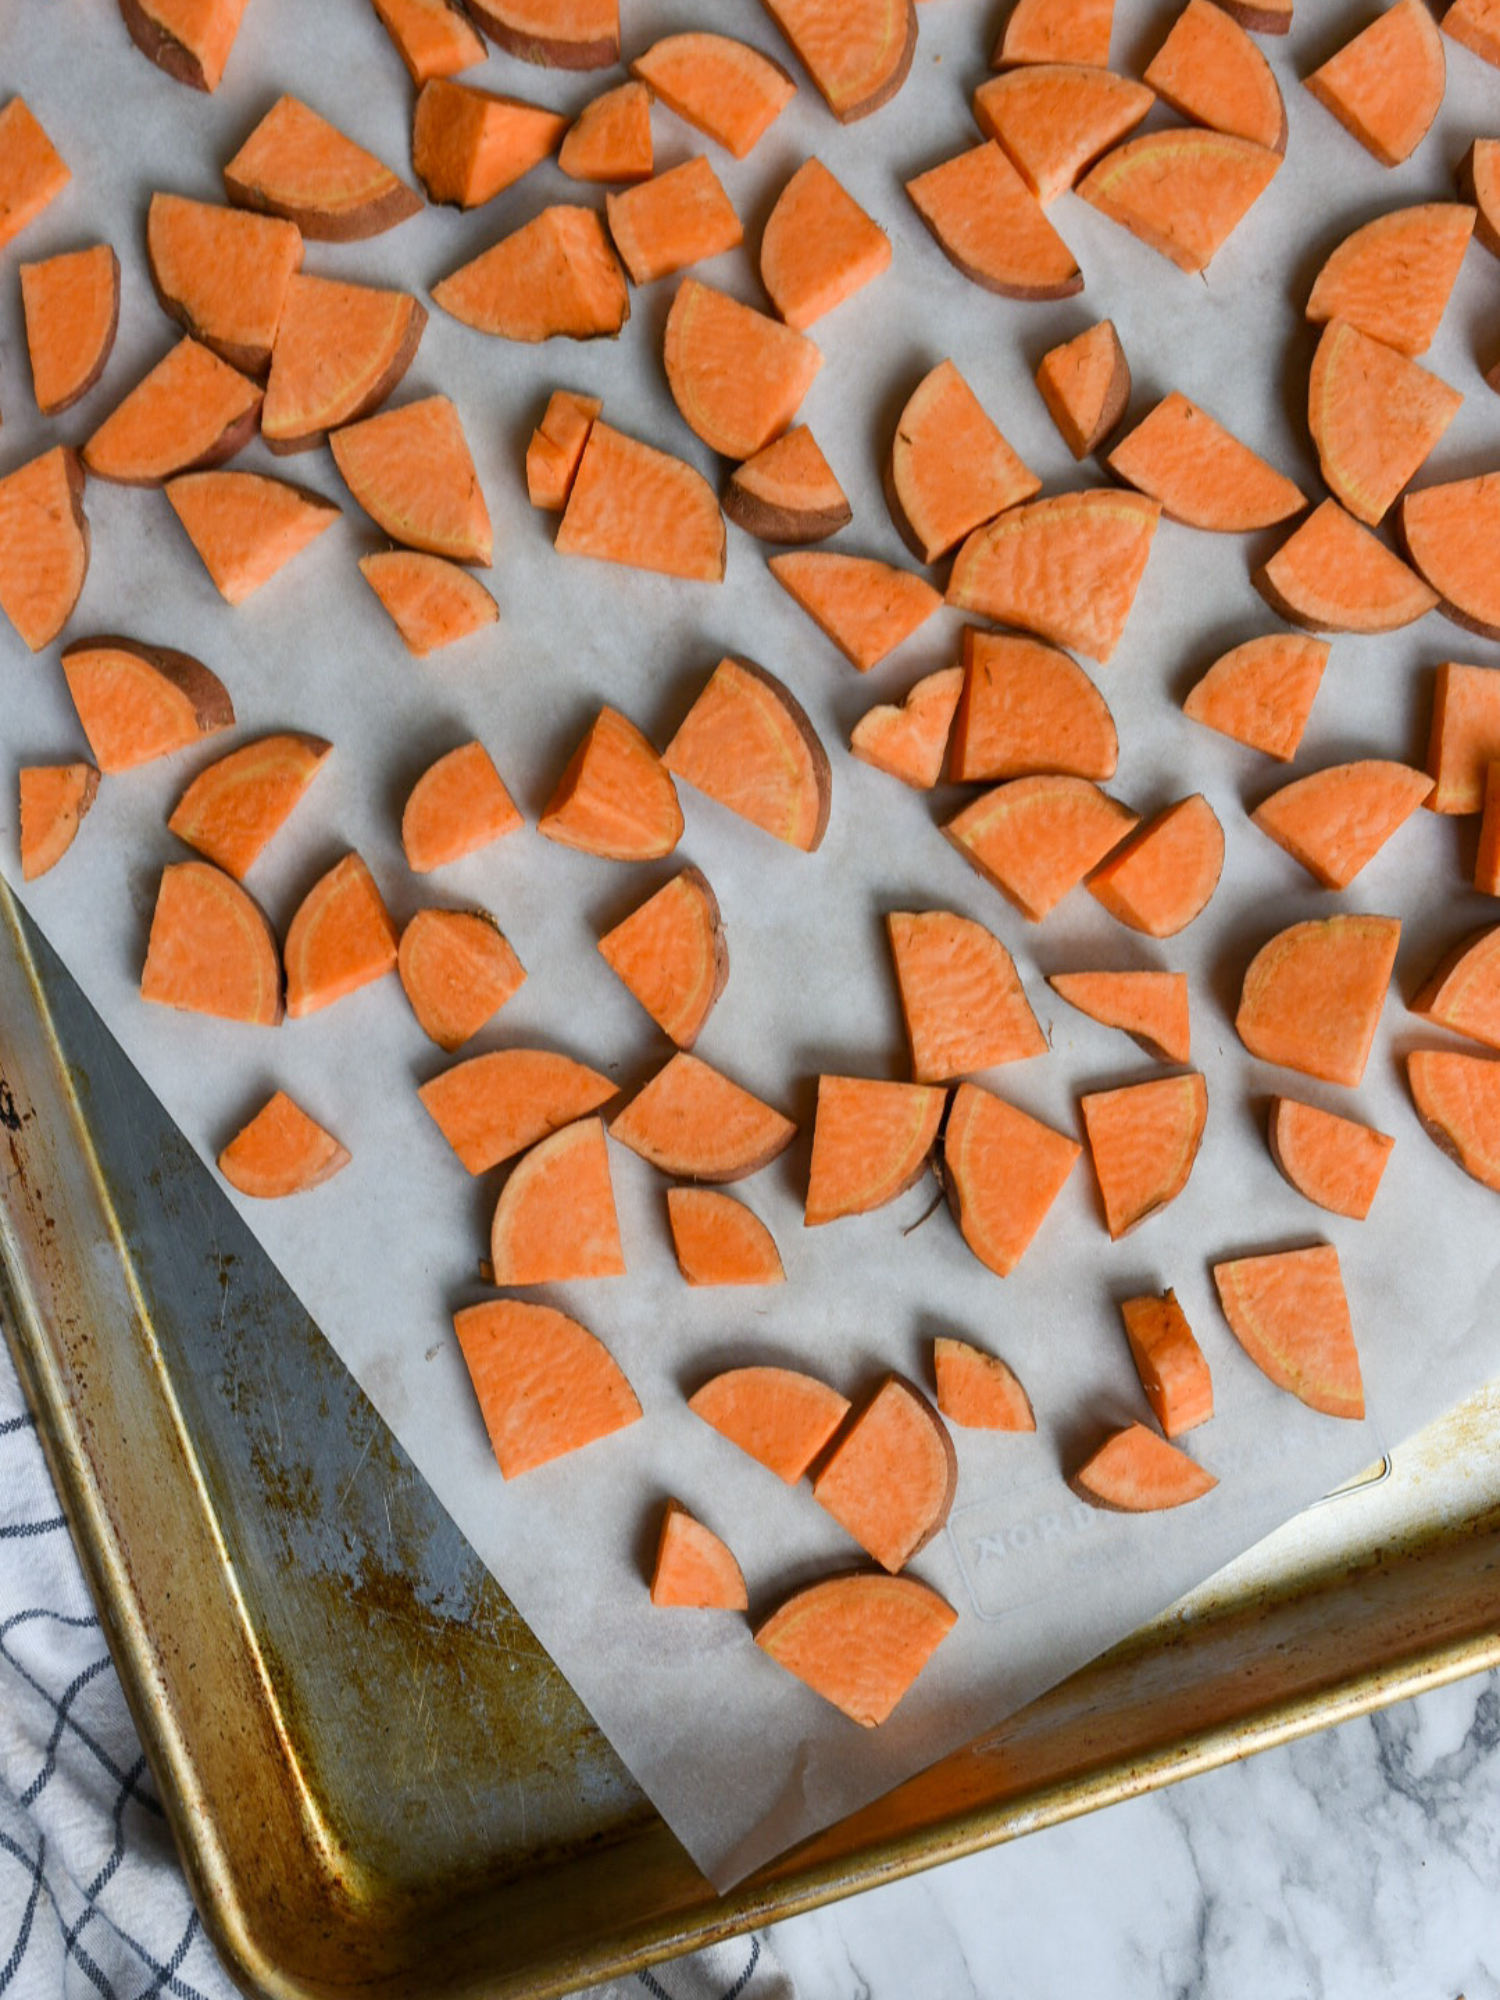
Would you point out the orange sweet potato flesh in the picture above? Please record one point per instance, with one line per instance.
(1312, 995)
(694, 1124)
(281, 1152)
(1478, 177)
(1458, 1101)
(556, 446)
(1385, 85)
(458, 969)
(494, 1106)
(857, 52)
(1336, 1162)
(191, 410)
(1085, 383)
(558, 34)
(44, 544)
(610, 139)
(431, 601)
(1210, 71)
(555, 1220)
(989, 224)
(32, 171)
(245, 525)
(1335, 820)
(53, 799)
(1487, 854)
(978, 1390)
(469, 145)
(1174, 1375)
(962, 999)
(867, 608)
(1144, 1139)
(1066, 567)
(633, 504)
(1055, 31)
(546, 1385)
(1150, 1006)
(890, 1478)
(747, 743)
(672, 220)
(1026, 710)
(1036, 838)
(457, 806)
(1054, 119)
(434, 38)
(909, 741)
(1475, 25)
(1448, 533)
(694, 1570)
(1182, 190)
(1463, 990)
(1136, 1472)
(724, 87)
(72, 306)
(340, 351)
(1261, 692)
(718, 1241)
(871, 1142)
(295, 164)
(1392, 278)
(787, 492)
(555, 277)
(781, 1418)
(211, 950)
(411, 471)
(236, 805)
(223, 274)
(737, 377)
(341, 938)
(859, 1641)
(1163, 875)
(1374, 416)
(138, 702)
(615, 797)
(1465, 737)
(189, 39)
(1289, 1312)
(1201, 474)
(671, 953)
(818, 247)
(950, 467)
(1003, 1170)
(1333, 575)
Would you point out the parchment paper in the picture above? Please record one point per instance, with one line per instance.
(740, 1758)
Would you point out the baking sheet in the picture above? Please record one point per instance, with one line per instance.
(740, 1759)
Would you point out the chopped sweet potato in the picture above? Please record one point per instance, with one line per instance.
(192, 410)
(469, 145)
(1150, 1006)
(610, 139)
(1392, 278)
(1261, 17)
(1261, 693)
(978, 1390)
(411, 471)
(1463, 990)
(950, 467)
(1003, 1170)
(431, 601)
(1289, 1312)
(1487, 854)
(818, 247)
(555, 277)
(556, 447)
(718, 1241)
(909, 740)
(724, 87)
(1053, 31)
(1136, 1472)
(633, 504)
(1478, 178)
(696, 1125)
(1332, 575)
(295, 164)
(494, 1106)
(1162, 877)
(282, 1151)
(857, 52)
(246, 525)
(1174, 1375)
(558, 34)
(32, 171)
(555, 1220)
(1465, 736)
(1458, 1101)
(1066, 567)
(223, 274)
(962, 999)
(867, 608)
(341, 938)
(189, 39)
(1385, 85)
(1201, 474)
(1144, 1139)
(787, 492)
(1312, 995)
(72, 307)
(672, 220)
(235, 806)
(871, 1142)
(1335, 820)
(1210, 71)
(433, 38)
(546, 1385)
(988, 223)
(1475, 25)
(670, 952)
(890, 1478)
(340, 351)
(137, 702)
(1085, 383)
(1448, 532)
(1181, 190)
(44, 544)
(746, 742)
(737, 377)
(1027, 710)
(1036, 838)
(53, 800)
(1053, 120)
(694, 1570)
(457, 806)
(780, 1418)
(1336, 1162)
(211, 950)
(615, 797)
(458, 969)
(859, 1641)
(1374, 416)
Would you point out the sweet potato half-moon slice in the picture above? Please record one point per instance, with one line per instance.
(737, 376)
(469, 145)
(615, 797)
(340, 351)
(72, 308)
(223, 274)
(191, 410)
(718, 1241)
(1336, 1162)
(989, 224)
(431, 602)
(295, 164)
(1004, 1169)
(780, 1417)
(555, 1220)
(1200, 473)
(679, 217)
(234, 808)
(1333, 575)
(1054, 119)
(53, 800)
(1463, 990)
(1085, 383)
(546, 1385)
(1335, 820)
(1210, 71)
(1036, 838)
(866, 607)
(1449, 531)
(1144, 1139)
(557, 34)
(1164, 874)
(962, 998)
(1374, 415)
(211, 950)
(1465, 736)
(787, 492)
(694, 1570)
(1055, 31)
(44, 544)
(633, 504)
(494, 1106)
(434, 38)
(1136, 1472)
(695, 1124)
(458, 969)
(1392, 277)
(1385, 85)
(871, 1142)
(1028, 710)
(189, 39)
(978, 1390)
(556, 277)
(1458, 1101)
(411, 471)
(859, 1641)
(610, 139)
(341, 938)
(747, 743)
(950, 466)
(1312, 995)
(457, 806)
(1261, 692)
(245, 525)
(138, 702)
(818, 247)
(857, 52)
(909, 739)
(1151, 1007)
(1289, 1312)
(890, 1478)
(280, 1152)
(671, 954)
(723, 86)
(1182, 190)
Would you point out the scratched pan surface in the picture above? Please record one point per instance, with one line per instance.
(379, 1782)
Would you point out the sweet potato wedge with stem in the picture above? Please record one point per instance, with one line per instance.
(1448, 533)
(978, 1390)
(295, 164)
(341, 938)
(1458, 1101)
(1289, 1312)
(190, 411)
(1163, 874)
(961, 997)
(44, 544)
(235, 806)
(246, 526)
(1336, 1162)
(786, 492)
(222, 274)
(1392, 277)
(340, 351)
(1386, 83)
(1056, 31)
(457, 806)
(1261, 692)
(1085, 383)
(718, 1241)
(494, 1106)
(857, 52)
(1182, 190)
(633, 504)
(72, 308)
(1374, 416)
(189, 39)
(1465, 736)
(693, 1569)
(723, 86)
(860, 1641)
(53, 799)
(411, 471)
(909, 740)
(32, 171)
(556, 277)
(610, 139)
(1136, 1472)
(694, 1124)
(1335, 820)
(1463, 990)
(138, 702)
(871, 1142)
(1003, 1169)
(674, 219)
(431, 602)
(890, 1478)
(615, 797)
(747, 743)
(867, 608)
(557, 34)
(1027, 710)
(818, 247)
(777, 1416)
(434, 38)
(546, 1385)
(1151, 1007)
(281, 1152)
(555, 1220)
(737, 377)
(950, 467)
(990, 226)
(1174, 1375)
(1053, 120)
(1333, 575)
(556, 446)
(1487, 854)
(1201, 474)
(671, 954)
(468, 145)
(458, 969)
(1210, 72)
(1144, 1139)
(211, 950)
(1312, 995)
(1036, 838)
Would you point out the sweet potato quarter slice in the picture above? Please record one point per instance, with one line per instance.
(787, 492)
(222, 273)
(211, 950)
(890, 1478)
(909, 740)
(1261, 692)
(610, 139)
(1332, 575)
(1003, 1170)
(1163, 875)
(280, 1152)
(1151, 1007)
(859, 1641)
(989, 224)
(1463, 990)
(1085, 383)
(246, 526)
(1392, 277)
(1026, 710)
(1174, 1375)
(1334, 1161)
(494, 1106)
(1053, 31)
(1475, 25)
(1374, 416)
(1458, 1101)
(1385, 85)
(818, 247)
(722, 86)
(857, 52)
(53, 800)
(190, 411)
(747, 743)
(961, 996)
(431, 602)
(641, 507)
(871, 1142)
(977, 1390)
(341, 938)
(546, 1385)
(693, 1569)
(1312, 995)
(615, 797)
(189, 39)
(1053, 120)
(1144, 1139)
(777, 1416)
(557, 34)
(556, 277)
(950, 467)
(866, 607)
(1448, 532)
(32, 171)
(44, 544)
(1335, 820)
(1036, 838)
(1465, 735)
(457, 806)
(737, 377)
(1201, 474)
(1136, 1472)
(696, 1125)
(72, 308)
(672, 955)
(235, 807)
(556, 446)
(469, 145)
(340, 351)
(138, 702)
(555, 1220)
(295, 164)
(1289, 1312)
(411, 471)
(674, 219)
(1210, 71)
(718, 1241)
(1182, 190)
(458, 969)
(434, 38)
